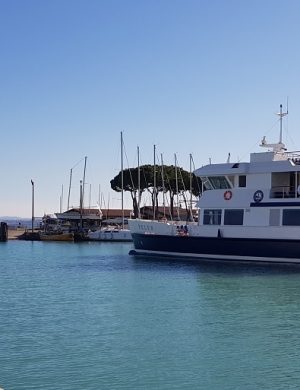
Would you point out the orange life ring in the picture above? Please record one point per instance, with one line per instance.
(227, 195)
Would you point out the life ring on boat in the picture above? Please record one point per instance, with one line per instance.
(258, 196)
(227, 195)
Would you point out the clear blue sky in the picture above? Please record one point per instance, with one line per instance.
(200, 77)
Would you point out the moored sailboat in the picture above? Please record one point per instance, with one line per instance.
(117, 233)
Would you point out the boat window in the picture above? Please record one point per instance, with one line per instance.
(231, 179)
(274, 217)
(291, 217)
(234, 217)
(242, 181)
(212, 217)
(206, 183)
(219, 182)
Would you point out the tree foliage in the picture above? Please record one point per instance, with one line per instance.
(173, 181)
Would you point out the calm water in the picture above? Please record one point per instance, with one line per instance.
(88, 316)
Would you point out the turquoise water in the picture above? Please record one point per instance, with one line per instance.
(88, 316)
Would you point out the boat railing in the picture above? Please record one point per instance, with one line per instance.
(283, 192)
(294, 157)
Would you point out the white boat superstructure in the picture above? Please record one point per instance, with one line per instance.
(248, 210)
(110, 234)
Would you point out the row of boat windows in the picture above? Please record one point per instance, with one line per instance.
(290, 217)
(222, 182)
(231, 217)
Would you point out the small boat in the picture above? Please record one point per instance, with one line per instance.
(107, 234)
(56, 236)
(248, 211)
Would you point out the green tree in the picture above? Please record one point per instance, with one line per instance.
(166, 182)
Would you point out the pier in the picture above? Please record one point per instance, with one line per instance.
(3, 231)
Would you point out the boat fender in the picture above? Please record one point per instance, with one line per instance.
(227, 195)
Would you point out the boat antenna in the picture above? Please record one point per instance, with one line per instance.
(281, 115)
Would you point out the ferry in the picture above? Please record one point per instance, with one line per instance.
(248, 211)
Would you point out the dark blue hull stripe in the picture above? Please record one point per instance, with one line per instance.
(213, 246)
(275, 204)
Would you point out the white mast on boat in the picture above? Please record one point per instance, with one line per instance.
(139, 183)
(176, 181)
(99, 195)
(61, 198)
(279, 147)
(90, 195)
(163, 184)
(122, 181)
(191, 189)
(154, 183)
(70, 183)
(281, 115)
(69, 188)
(83, 181)
(81, 203)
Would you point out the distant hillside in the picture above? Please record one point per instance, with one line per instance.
(7, 218)
(19, 221)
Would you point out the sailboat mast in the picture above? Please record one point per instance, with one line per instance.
(280, 114)
(122, 181)
(90, 195)
(163, 184)
(191, 188)
(83, 181)
(81, 203)
(176, 180)
(99, 195)
(69, 188)
(154, 182)
(61, 198)
(139, 183)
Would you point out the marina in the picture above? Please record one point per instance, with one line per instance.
(150, 195)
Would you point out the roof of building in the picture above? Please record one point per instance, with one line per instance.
(88, 213)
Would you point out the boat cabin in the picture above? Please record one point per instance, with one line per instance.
(262, 192)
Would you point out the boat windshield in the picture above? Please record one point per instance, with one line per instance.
(216, 183)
